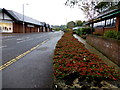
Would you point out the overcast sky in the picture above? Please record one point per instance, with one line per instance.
(53, 12)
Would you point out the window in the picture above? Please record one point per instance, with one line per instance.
(99, 24)
(90, 25)
(106, 23)
(114, 22)
(110, 22)
(6, 27)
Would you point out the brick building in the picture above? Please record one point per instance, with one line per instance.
(13, 22)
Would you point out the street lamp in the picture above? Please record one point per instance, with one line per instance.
(23, 18)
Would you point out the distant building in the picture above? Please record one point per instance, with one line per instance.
(13, 22)
(109, 20)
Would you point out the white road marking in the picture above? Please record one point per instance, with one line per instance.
(38, 37)
(29, 39)
(41, 36)
(7, 39)
(3, 46)
(25, 40)
(19, 39)
(6, 36)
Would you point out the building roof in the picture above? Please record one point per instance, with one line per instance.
(104, 16)
(107, 13)
(19, 17)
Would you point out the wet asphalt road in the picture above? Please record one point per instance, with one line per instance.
(16, 44)
(33, 70)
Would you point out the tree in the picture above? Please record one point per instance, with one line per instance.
(70, 24)
(62, 27)
(79, 23)
(103, 6)
(87, 6)
(93, 7)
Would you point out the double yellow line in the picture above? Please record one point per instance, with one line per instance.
(20, 56)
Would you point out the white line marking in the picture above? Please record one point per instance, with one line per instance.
(3, 46)
(28, 37)
(25, 40)
(19, 39)
(7, 36)
(7, 39)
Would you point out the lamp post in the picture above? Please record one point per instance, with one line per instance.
(23, 19)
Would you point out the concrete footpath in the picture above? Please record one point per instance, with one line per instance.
(33, 70)
(101, 56)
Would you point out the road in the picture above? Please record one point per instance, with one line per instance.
(16, 44)
(34, 70)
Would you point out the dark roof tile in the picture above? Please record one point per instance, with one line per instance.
(19, 17)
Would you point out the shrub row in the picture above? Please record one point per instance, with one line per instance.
(112, 34)
(83, 31)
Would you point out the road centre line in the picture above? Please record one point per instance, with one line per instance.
(20, 56)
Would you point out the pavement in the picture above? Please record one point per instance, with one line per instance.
(34, 70)
(101, 56)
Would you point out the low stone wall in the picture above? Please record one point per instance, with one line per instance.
(109, 47)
